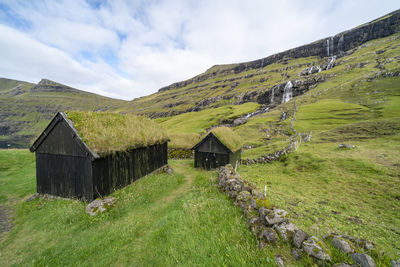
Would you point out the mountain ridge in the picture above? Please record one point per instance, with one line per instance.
(27, 108)
(387, 25)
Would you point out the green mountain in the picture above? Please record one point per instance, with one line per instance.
(343, 89)
(224, 93)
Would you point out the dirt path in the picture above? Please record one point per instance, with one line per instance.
(181, 168)
(5, 220)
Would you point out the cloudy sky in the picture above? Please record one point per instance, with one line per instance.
(130, 48)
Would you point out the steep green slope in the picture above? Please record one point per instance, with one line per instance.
(361, 86)
(326, 189)
(253, 81)
(26, 108)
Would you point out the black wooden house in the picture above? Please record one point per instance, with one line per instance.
(211, 153)
(67, 166)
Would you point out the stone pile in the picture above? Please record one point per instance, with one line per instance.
(271, 224)
(277, 155)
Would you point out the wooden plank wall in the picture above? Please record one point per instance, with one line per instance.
(122, 168)
(211, 145)
(64, 176)
(235, 157)
(209, 160)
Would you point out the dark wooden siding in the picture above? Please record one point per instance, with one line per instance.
(235, 157)
(211, 144)
(61, 141)
(122, 168)
(209, 160)
(65, 176)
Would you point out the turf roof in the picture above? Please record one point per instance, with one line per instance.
(107, 132)
(228, 138)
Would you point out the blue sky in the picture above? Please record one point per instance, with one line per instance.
(127, 49)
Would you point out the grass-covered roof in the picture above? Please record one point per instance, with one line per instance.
(107, 132)
(228, 138)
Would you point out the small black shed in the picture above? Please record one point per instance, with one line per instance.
(87, 154)
(218, 148)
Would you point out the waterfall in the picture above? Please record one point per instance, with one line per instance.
(287, 92)
(272, 94)
(327, 47)
(262, 63)
(330, 63)
(340, 43)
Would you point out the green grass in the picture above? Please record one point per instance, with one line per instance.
(185, 129)
(169, 220)
(106, 132)
(325, 188)
(228, 138)
(17, 175)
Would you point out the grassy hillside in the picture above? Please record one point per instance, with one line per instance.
(362, 86)
(326, 189)
(26, 108)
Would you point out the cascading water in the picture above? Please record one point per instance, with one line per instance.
(327, 47)
(287, 92)
(262, 63)
(272, 94)
(256, 112)
(330, 63)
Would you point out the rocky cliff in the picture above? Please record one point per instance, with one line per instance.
(331, 46)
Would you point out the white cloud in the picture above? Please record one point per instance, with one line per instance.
(128, 49)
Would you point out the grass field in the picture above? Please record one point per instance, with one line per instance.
(183, 218)
(179, 219)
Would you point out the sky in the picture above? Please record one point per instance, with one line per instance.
(130, 48)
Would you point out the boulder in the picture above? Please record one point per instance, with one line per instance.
(239, 121)
(100, 205)
(343, 265)
(346, 146)
(279, 261)
(296, 254)
(33, 197)
(299, 237)
(396, 263)
(342, 245)
(286, 230)
(269, 235)
(363, 260)
(253, 220)
(316, 248)
(253, 203)
(277, 216)
(244, 196)
(169, 170)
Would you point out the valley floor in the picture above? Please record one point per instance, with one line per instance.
(178, 219)
(184, 219)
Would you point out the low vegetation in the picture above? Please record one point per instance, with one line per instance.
(183, 218)
(178, 219)
(228, 138)
(107, 132)
(185, 129)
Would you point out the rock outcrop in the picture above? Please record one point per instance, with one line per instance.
(99, 206)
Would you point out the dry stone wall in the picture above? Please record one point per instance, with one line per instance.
(271, 225)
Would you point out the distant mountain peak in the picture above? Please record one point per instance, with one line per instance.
(47, 82)
(46, 85)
